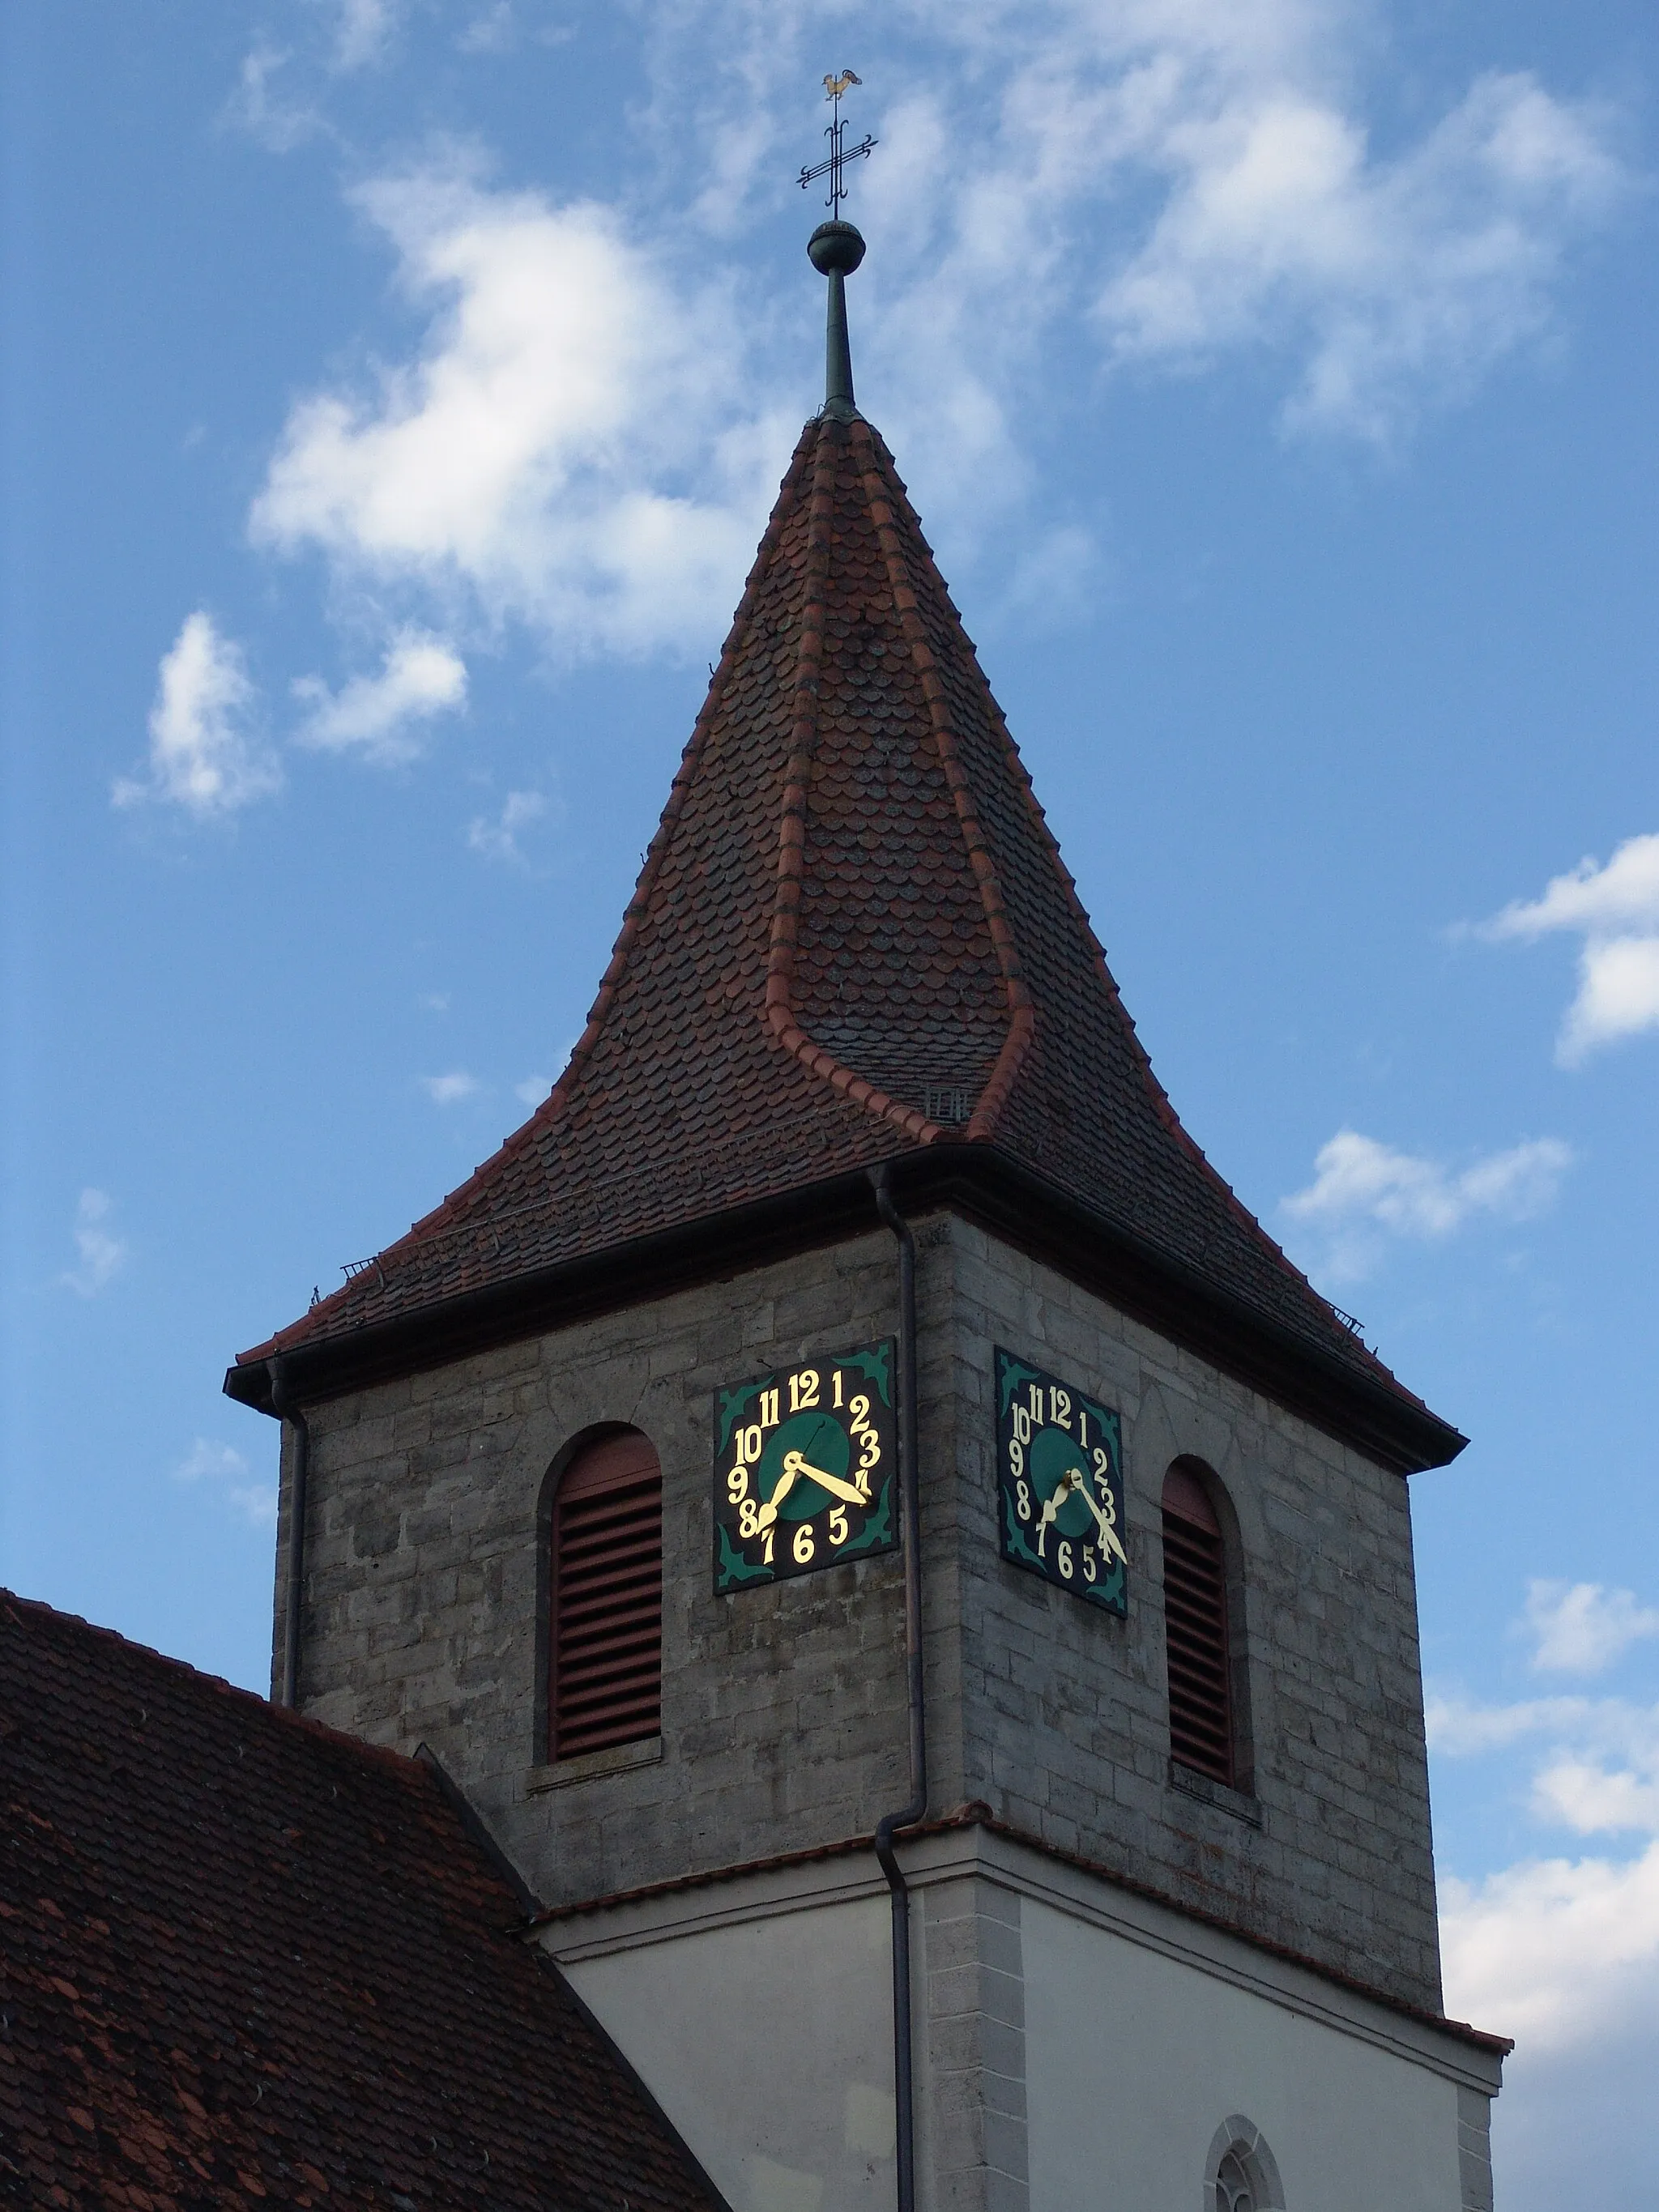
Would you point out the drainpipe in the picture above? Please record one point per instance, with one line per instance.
(904, 2078)
(285, 1410)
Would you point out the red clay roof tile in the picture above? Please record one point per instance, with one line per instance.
(854, 936)
(247, 1960)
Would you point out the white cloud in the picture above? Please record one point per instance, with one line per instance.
(1583, 1795)
(1615, 908)
(1458, 1729)
(103, 1254)
(1398, 278)
(1553, 1952)
(362, 31)
(1550, 1949)
(1623, 895)
(498, 840)
(450, 1089)
(1361, 1187)
(224, 1466)
(536, 457)
(534, 1091)
(590, 427)
(420, 675)
(203, 755)
(1617, 995)
(1582, 1628)
(1181, 181)
(491, 31)
(1598, 1770)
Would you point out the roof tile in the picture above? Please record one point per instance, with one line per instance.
(249, 1958)
(853, 912)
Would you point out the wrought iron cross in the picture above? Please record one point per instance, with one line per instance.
(840, 154)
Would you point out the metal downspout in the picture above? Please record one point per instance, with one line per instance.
(285, 1410)
(903, 2076)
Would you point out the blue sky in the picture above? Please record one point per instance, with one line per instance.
(393, 394)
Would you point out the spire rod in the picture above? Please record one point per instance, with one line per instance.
(836, 249)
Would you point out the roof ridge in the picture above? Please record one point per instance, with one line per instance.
(552, 1107)
(779, 1011)
(1022, 1019)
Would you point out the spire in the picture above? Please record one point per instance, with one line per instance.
(853, 940)
(835, 250)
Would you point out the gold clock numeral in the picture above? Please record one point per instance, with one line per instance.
(838, 1531)
(766, 1555)
(769, 1409)
(1063, 1558)
(1023, 1500)
(737, 1484)
(803, 1546)
(803, 1390)
(1059, 1406)
(749, 1518)
(837, 1383)
(1089, 1574)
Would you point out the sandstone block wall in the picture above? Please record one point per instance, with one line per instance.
(783, 1713)
(1065, 1710)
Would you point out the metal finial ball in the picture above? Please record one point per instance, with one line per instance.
(834, 245)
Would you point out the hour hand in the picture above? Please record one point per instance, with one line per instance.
(1068, 1482)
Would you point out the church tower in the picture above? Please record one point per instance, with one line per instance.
(919, 1585)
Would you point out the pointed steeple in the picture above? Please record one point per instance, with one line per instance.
(853, 939)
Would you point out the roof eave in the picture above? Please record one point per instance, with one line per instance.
(1376, 1415)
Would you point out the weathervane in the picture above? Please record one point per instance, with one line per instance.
(840, 154)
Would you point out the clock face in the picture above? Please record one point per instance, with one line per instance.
(1060, 1484)
(806, 1469)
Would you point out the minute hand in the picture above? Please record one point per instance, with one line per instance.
(793, 1463)
(1110, 1542)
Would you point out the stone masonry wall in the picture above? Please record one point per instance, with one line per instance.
(783, 1708)
(1066, 1712)
(783, 1718)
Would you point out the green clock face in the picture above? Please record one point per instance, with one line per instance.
(1060, 1484)
(805, 1468)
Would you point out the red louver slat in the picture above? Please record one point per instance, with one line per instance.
(1195, 1624)
(605, 1641)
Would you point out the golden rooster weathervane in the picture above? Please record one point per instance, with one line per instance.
(839, 153)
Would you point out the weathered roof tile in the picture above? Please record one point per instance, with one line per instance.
(248, 1958)
(853, 918)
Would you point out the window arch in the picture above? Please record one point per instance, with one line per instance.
(1241, 2174)
(603, 1562)
(1203, 1720)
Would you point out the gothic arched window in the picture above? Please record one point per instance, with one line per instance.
(605, 1597)
(1241, 2174)
(1195, 1609)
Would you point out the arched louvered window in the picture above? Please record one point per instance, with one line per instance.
(604, 1598)
(1196, 1626)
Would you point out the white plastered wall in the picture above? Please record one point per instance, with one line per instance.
(1117, 2035)
(1133, 2060)
(768, 2043)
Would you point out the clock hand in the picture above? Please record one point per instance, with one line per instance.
(1062, 1491)
(768, 1512)
(1110, 1541)
(797, 1463)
